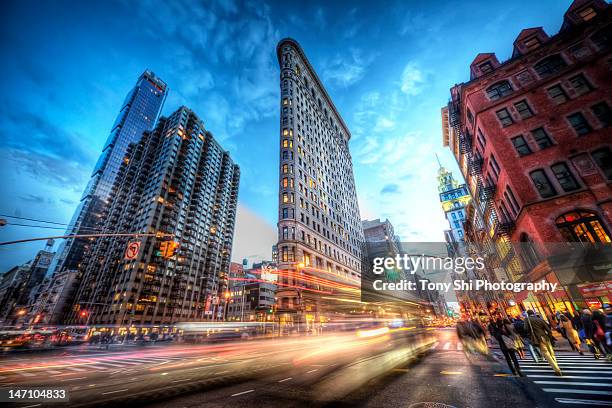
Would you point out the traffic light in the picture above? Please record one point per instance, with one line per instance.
(168, 248)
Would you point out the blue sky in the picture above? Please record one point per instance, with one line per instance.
(387, 65)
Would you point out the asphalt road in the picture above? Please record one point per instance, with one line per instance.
(378, 369)
(443, 376)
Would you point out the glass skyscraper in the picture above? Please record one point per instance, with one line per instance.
(139, 112)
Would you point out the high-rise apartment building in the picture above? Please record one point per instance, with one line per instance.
(139, 112)
(454, 197)
(320, 235)
(531, 136)
(177, 180)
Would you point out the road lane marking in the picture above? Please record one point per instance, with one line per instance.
(242, 393)
(26, 374)
(401, 370)
(73, 379)
(447, 346)
(185, 379)
(286, 379)
(312, 371)
(572, 391)
(114, 392)
(75, 369)
(583, 401)
(451, 372)
(32, 406)
(53, 372)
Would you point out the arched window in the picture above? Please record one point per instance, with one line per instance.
(549, 65)
(582, 226)
(499, 90)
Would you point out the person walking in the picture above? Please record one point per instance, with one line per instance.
(570, 333)
(541, 335)
(592, 333)
(519, 345)
(506, 345)
(608, 327)
(599, 319)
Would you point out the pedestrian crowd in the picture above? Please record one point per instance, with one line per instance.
(585, 331)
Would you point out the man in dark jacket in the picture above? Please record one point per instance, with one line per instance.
(541, 335)
(588, 319)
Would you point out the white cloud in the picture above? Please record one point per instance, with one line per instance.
(412, 80)
(345, 71)
(384, 124)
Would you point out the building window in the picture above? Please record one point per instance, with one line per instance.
(582, 226)
(603, 158)
(528, 251)
(541, 138)
(579, 123)
(482, 141)
(542, 184)
(504, 117)
(486, 67)
(603, 38)
(587, 13)
(603, 113)
(564, 177)
(499, 90)
(522, 107)
(557, 94)
(549, 65)
(580, 84)
(470, 116)
(509, 195)
(521, 146)
(494, 166)
(532, 43)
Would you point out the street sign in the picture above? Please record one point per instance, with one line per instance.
(131, 252)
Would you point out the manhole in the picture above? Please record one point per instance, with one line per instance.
(430, 405)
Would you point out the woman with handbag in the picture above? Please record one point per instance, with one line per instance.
(570, 333)
(506, 345)
(519, 346)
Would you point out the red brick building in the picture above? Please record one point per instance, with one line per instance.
(533, 137)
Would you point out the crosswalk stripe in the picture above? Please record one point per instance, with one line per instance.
(583, 402)
(436, 344)
(568, 371)
(574, 383)
(53, 372)
(75, 369)
(447, 346)
(574, 391)
(573, 377)
(561, 365)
